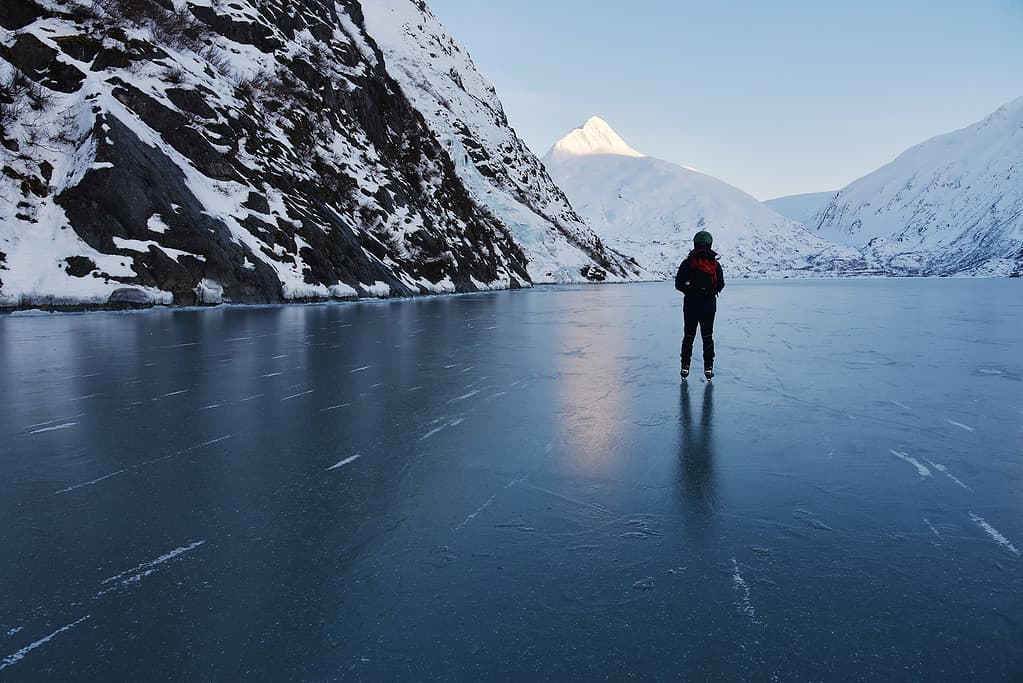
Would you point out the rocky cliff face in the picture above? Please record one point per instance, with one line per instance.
(164, 151)
(952, 205)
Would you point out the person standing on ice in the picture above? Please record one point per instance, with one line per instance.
(700, 279)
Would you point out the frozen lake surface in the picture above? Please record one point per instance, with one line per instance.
(517, 486)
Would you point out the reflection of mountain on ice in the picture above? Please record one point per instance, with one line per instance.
(650, 209)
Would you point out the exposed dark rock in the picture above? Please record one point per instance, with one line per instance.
(246, 33)
(82, 48)
(128, 297)
(39, 62)
(17, 14)
(257, 203)
(118, 202)
(593, 273)
(191, 101)
(29, 184)
(79, 266)
(177, 132)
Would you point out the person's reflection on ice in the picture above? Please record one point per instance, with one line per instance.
(696, 453)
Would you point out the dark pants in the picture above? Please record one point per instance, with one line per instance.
(698, 314)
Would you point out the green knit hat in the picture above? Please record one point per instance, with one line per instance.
(703, 238)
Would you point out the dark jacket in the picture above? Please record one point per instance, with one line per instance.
(682, 277)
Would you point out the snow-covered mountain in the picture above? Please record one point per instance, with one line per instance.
(650, 209)
(196, 151)
(801, 207)
(464, 113)
(952, 205)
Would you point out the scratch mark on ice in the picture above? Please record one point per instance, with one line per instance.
(931, 527)
(90, 483)
(139, 572)
(810, 519)
(960, 425)
(944, 470)
(464, 396)
(452, 423)
(272, 374)
(50, 422)
(480, 509)
(921, 469)
(301, 393)
(210, 407)
(432, 432)
(994, 534)
(174, 393)
(901, 405)
(364, 367)
(207, 443)
(144, 464)
(339, 405)
(744, 603)
(344, 462)
(513, 482)
(20, 654)
(66, 425)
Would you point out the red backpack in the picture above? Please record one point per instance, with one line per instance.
(703, 276)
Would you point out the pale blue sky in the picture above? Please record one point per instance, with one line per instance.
(774, 97)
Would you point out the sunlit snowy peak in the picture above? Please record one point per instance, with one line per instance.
(593, 137)
(650, 209)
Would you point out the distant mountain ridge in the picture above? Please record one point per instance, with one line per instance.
(650, 209)
(952, 205)
(801, 207)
